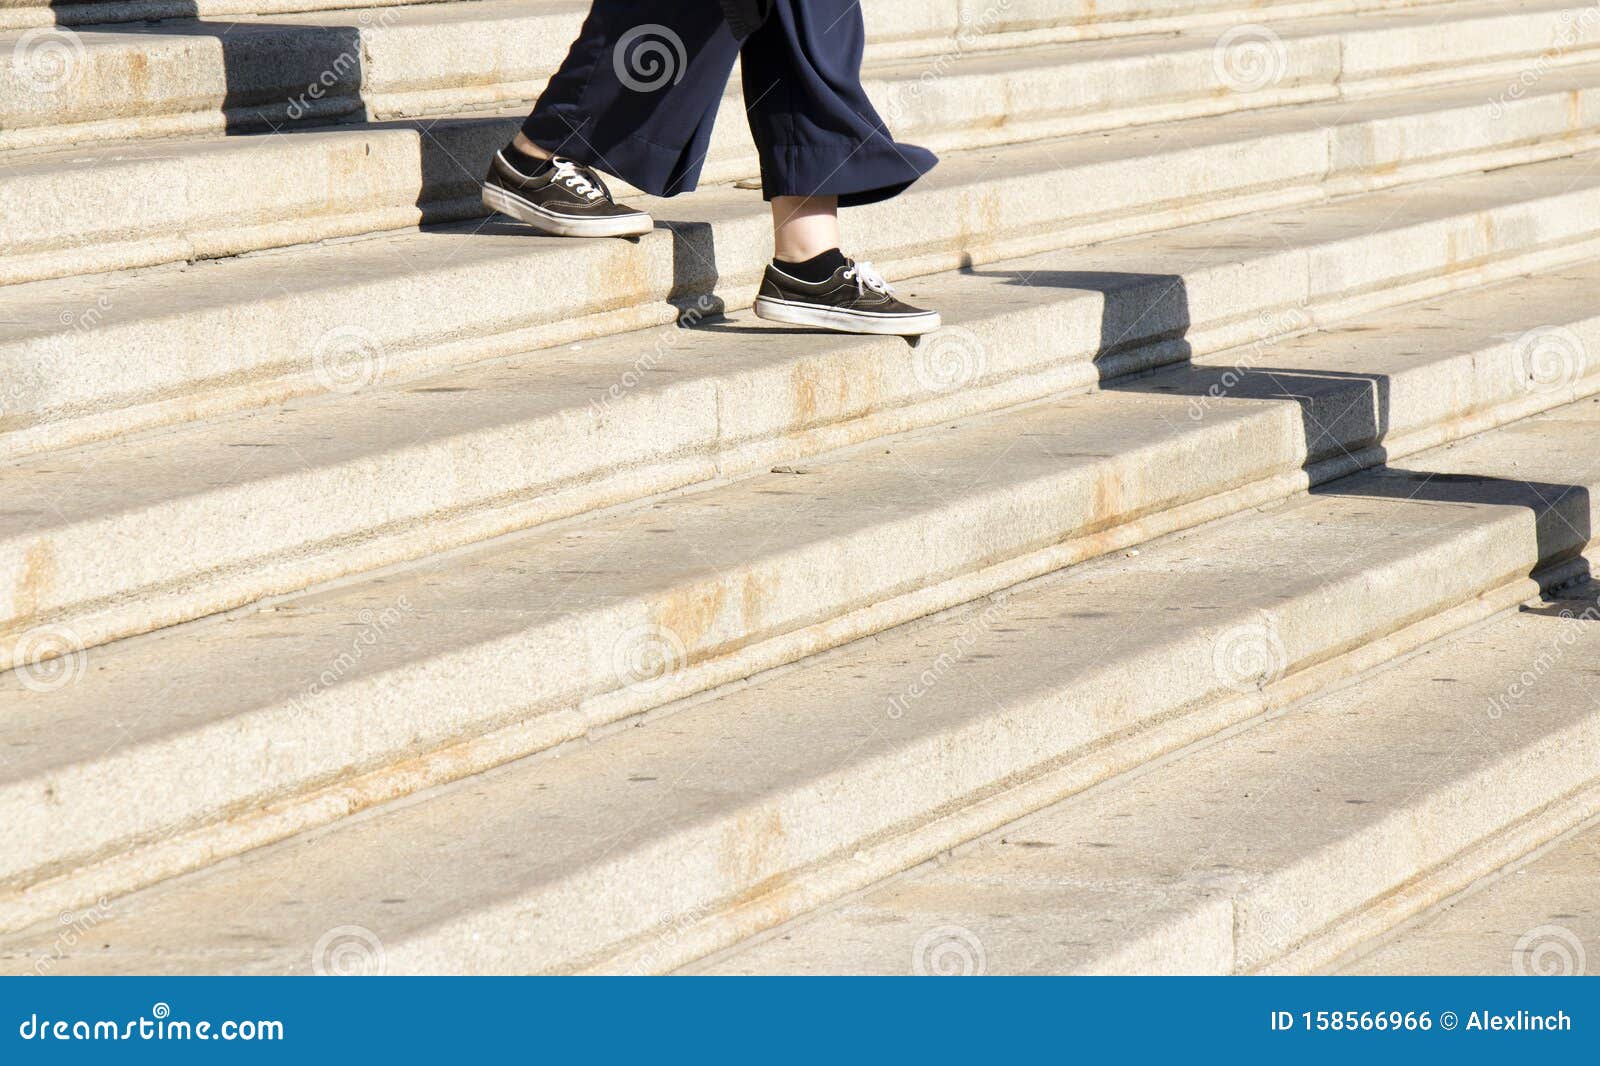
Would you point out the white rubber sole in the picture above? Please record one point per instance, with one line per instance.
(798, 314)
(498, 199)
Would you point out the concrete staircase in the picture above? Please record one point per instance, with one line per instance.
(383, 586)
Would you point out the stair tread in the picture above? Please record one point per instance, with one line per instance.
(476, 850)
(233, 491)
(251, 321)
(68, 158)
(356, 176)
(240, 28)
(121, 484)
(535, 634)
(885, 18)
(1218, 860)
(687, 563)
(42, 308)
(1538, 919)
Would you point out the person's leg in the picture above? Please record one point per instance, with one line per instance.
(816, 131)
(636, 97)
(804, 226)
(822, 145)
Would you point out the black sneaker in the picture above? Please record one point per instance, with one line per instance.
(567, 199)
(855, 299)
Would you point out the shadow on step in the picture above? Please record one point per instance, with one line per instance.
(1343, 413)
(284, 78)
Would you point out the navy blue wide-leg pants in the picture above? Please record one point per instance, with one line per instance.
(638, 93)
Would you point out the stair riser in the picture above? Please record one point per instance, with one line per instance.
(84, 375)
(913, 21)
(836, 816)
(1272, 916)
(1556, 835)
(1260, 449)
(384, 65)
(1538, 783)
(344, 184)
(254, 538)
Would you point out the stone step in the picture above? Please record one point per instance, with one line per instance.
(1537, 918)
(181, 200)
(86, 359)
(413, 677)
(655, 845)
(320, 489)
(289, 72)
(1330, 819)
(964, 23)
(282, 71)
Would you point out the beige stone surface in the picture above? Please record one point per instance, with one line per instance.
(423, 584)
(202, 198)
(811, 766)
(1282, 828)
(1539, 918)
(88, 356)
(323, 489)
(379, 63)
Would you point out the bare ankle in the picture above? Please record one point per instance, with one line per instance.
(527, 147)
(804, 227)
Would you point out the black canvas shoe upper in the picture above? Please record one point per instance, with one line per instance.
(855, 288)
(565, 188)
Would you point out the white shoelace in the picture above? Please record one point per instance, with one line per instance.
(866, 276)
(567, 174)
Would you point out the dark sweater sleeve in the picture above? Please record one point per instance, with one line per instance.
(746, 16)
